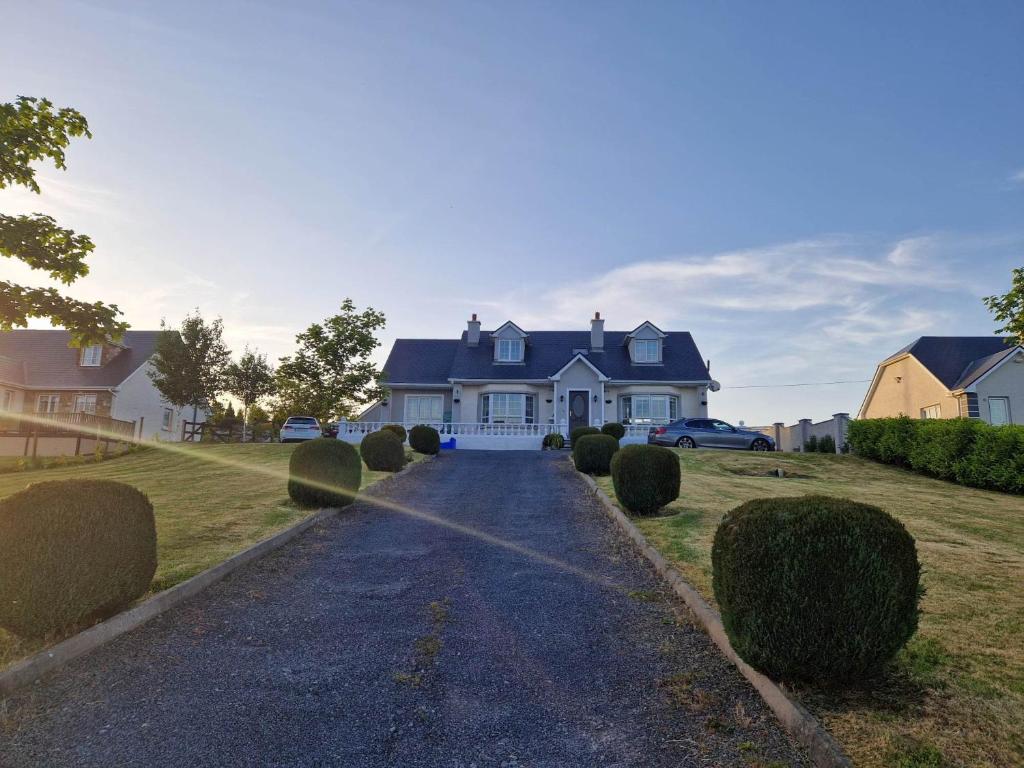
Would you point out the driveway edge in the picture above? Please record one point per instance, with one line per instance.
(30, 669)
(804, 727)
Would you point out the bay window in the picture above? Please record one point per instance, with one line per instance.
(649, 409)
(507, 408)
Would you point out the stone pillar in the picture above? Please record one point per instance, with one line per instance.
(778, 427)
(804, 432)
(839, 425)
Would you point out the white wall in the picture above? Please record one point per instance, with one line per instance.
(1005, 381)
(137, 398)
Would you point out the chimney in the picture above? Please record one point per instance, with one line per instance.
(473, 332)
(597, 332)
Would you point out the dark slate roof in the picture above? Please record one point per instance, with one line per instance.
(951, 359)
(979, 368)
(420, 361)
(45, 359)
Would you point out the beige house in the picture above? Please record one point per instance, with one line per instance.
(948, 377)
(490, 388)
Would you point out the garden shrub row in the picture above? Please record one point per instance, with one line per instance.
(964, 451)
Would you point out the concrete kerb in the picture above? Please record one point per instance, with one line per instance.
(30, 669)
(822, 747)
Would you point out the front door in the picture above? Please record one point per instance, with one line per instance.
(579, 409)
(999, 411)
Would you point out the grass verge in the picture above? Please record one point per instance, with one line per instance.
(210, 501)
(956, 693)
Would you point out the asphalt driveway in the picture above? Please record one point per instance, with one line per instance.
(514, 629)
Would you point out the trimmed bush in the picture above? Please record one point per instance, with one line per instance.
(592, 454)
(554, 441)
(424, 439)
(382, 451)
(398, 429)
(811, 446)
(324, 473)
(614, 429)
(72, 552)
(814, 587)
(645, 477)
(579, 432)
(996, 460)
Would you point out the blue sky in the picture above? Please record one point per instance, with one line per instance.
(805, 186)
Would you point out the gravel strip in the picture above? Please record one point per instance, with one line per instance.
(383, 639)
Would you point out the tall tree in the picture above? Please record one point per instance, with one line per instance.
(1008, 309)
(189, 364)
(331, 371)
(251, 380)
(30, 130)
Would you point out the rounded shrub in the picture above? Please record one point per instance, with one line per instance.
(592, 454)
(424, 439)
(383, 451)
(614, 429)
(397, 429)
(579, 432)
(645, 477)
(554, 441)
(71, 552)
(815, 587)
(324, 473)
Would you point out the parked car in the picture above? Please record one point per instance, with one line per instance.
(298, 428)
(709, 433)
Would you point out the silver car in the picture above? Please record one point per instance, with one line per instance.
(709, 433)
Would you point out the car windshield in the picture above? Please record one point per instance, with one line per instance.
(301, 421)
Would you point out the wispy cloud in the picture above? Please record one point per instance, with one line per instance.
(1017, 177)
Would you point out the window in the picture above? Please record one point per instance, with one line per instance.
(7, 400)
(92, 355)
(510, 350)
(645, 351)
(649, 409)
(424, 408)
(48, 404)
(168, 418)
(721, 426)
(931, 412)
(85, 404)
(507, 408)
(998, 411)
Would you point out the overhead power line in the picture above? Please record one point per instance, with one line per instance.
(801, 384)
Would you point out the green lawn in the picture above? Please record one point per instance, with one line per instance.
(211, 501)
(959, 687)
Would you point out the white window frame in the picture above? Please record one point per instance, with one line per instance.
(931, 412)
(90, 400)
(92, 356)
(52, 403)
(8, 399)
(417, 417)
(167, 419)
(497, 408)
(650, 417)
(1009, 418)
(648, 345)
(509, 350)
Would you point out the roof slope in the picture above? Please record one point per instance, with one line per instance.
(435, 361)
(45, 359)
(951, 359)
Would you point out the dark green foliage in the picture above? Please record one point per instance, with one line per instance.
(382, 451)
(941, 446)
(996, 460)
(592, 454)
(811, 446)
(579, 432)
(827, 444)
(554, 441)
(646, 477)
(614, 429)
(398, 429)
(324, 473)
(71, 552)
(894, 444)
(815, 587)
(424, 439)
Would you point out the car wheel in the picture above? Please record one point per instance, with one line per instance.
(686, 442)
(759, 445)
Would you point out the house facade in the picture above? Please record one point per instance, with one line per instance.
(948, 377)
(44, 383)
(514, 382)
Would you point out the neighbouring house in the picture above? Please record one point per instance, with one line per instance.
(948, 377)
(513, 382)
(103, 386)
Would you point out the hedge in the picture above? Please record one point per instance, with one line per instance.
(382, 451)
(579, 432)
(614, 429)
(324, 473)
(964, 451)
(645, 477)
(424, 439)
(593, 454)
(398, 429)
(814, 587)
(72, 552)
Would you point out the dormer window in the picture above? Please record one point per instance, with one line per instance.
(92, 355)
(509, 350)
(646, 350)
